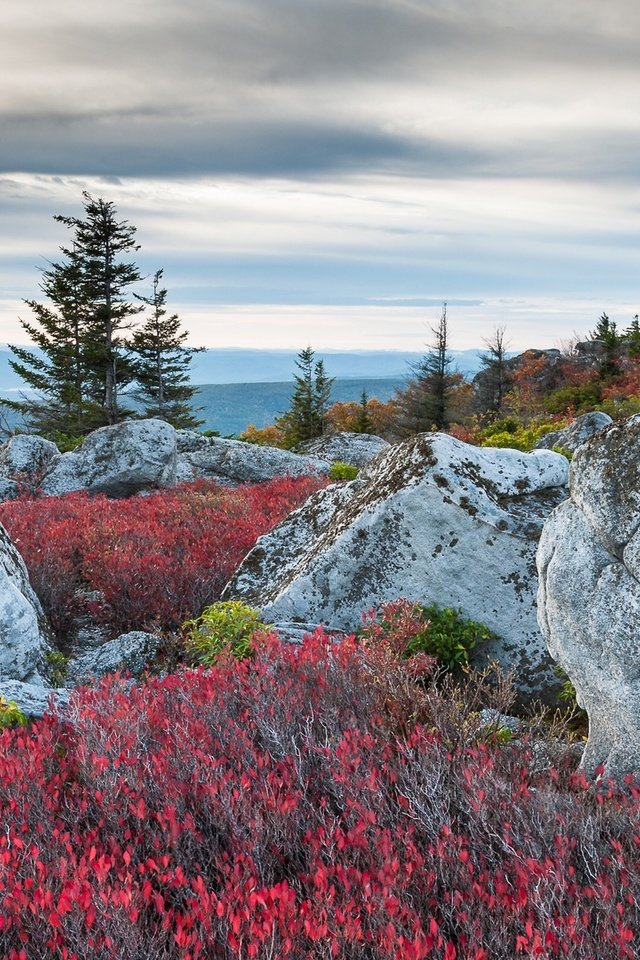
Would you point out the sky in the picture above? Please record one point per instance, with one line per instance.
(328, 172)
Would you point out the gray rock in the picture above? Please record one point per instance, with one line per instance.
(432, 519)
(120, 460)
(577, 433)
(589, 594)
(34, 701)
(232, 461)
(130, 652)
(26, 456)
(9, 489)
(24, 633)
(358, 449)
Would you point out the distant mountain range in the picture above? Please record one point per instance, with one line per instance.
(272, 366)
(238, 387)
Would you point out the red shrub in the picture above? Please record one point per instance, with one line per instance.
(266, 809)
(156, 560)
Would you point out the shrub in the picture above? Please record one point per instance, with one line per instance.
(267, 808)
(10, 714)
(438, 632)
(511, 433)
(156, 560)
(226, 627)
(340, 471)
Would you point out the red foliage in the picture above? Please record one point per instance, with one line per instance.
(266, 809)
(156, 560)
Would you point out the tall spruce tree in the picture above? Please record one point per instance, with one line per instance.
(160, 361)
(494, 379)
(425, 404)
(100, 242)
(57, 401)
(306, 417)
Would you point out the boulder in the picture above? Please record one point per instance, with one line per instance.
(358, 449)
(9, 489)
(232, 461)
(130, 652)
(33, 700)
(576, 433)
(24, 634)
(119, 460)
(589, 593)
(26, 457)
(432, 519)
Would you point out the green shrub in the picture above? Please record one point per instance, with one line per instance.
(563, 452)
(65, 442)
(226, 627)
(512, 433)
(448, 636)
(58, 667)
(439, 632)
(10, 714)
(342, 471)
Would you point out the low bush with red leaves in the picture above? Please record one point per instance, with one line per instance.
(292, 805)
(155, 560)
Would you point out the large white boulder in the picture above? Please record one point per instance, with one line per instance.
(434, 520)
(358, 449)
(26, 456)
(589, 595)
(119, 460)
(233, 461)
(24, 635)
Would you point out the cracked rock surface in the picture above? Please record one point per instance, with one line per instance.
(589, 593)
(432, 519)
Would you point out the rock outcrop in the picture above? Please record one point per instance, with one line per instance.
(119, 460)
(434, 520)
(233, 461)
(34, 700)
(358, 449)
(589, 594)
(130, 652)
(26, 457)
(24, 635)
(576, 433)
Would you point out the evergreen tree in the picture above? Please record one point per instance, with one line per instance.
(494, 380)
(363, 422)
(306, 417)
(606, 332)
(100, 242)
(632, 336)
(425, 404)
(160, 363)
(60, 401)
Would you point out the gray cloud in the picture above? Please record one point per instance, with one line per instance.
(267, 87)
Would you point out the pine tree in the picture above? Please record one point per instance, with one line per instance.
(57, 375)
(363, 422)
(632, 336)
(100, 242)
(494, 380)
(606, 332)
(306, 417)
(160, 363)
(425, 404)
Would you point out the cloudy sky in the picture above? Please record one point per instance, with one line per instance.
(329, 171)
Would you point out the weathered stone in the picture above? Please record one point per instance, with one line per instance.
(120, 460)
(232, 461)
(434, 520)
(358, 449)
(26, 456)
(34, 700)
(589, 594)
(9, 489)
(130, 652)
(24, 634)
(576, 433)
